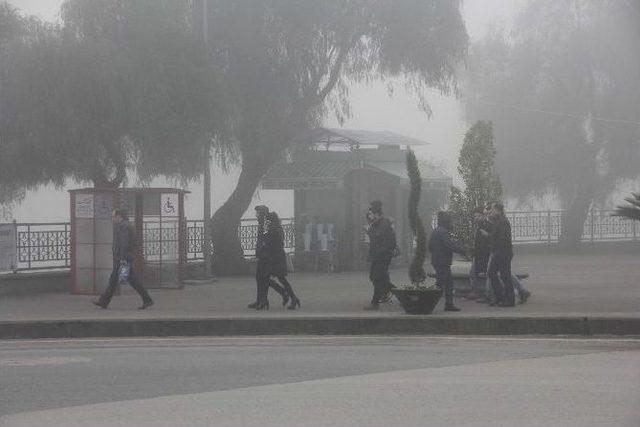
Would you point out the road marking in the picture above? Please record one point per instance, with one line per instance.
(41, 361)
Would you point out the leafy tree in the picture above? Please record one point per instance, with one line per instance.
(482, 183)
(288, 63)
(18, 35)
(563, 91)
(118, 86)
(632, 209)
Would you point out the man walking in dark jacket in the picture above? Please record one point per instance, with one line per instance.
(501, 256)
(124, 249)
(382, 248)
(442, 247)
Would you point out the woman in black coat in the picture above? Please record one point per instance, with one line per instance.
(276, 257)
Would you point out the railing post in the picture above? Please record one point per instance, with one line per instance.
(29, 246)
(593, 226)
(549, 226)
(635, 234)
(66, 243)
(15, 235)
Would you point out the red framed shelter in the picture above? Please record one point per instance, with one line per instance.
(158, 217)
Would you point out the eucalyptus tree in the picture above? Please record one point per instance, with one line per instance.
(563, 92)
(287, 64)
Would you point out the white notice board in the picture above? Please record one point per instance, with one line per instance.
(84, 206)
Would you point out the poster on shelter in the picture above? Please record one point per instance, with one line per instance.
(84, 206)
(103, 205)
(8, 251)
(169, 204)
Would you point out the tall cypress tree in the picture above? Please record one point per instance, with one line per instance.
(482, 183)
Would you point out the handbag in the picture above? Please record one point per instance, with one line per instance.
(123, 272)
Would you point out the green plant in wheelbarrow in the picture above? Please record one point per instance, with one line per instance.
(418, 297)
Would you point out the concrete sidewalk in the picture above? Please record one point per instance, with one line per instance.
(571, 295)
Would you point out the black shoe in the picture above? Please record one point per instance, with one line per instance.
(295, 302)
(451, 308)
(263, 306)
(524, 296)
(99, 304)
(371, 307)
(145, 305)
(253, 304)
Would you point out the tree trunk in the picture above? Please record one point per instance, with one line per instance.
(575, 215)
(228, 254)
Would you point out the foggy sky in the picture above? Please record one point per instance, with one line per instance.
(372, 110)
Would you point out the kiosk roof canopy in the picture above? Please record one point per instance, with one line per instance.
(130, 189)
(353, 137)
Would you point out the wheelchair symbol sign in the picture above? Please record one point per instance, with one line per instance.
(169, 204)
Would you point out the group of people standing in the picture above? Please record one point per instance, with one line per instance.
(491, 279)
(272, 262)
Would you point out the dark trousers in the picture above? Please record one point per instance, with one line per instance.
(499, 272)
(379, 276)
(444, 280)
(106, 296)
(264, 282)
(478, 272)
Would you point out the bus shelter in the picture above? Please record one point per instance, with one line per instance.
(157, 215)
(334, 174)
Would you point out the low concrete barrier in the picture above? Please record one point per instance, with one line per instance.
(397, 325)
(55, 281)
(30, 283)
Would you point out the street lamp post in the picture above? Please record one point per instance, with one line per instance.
(208, 261)
(206, 176)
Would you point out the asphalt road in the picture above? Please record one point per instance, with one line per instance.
(321, 381)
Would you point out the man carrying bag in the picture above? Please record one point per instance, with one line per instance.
(124, 248)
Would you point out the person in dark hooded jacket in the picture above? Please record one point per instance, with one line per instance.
(442, 248)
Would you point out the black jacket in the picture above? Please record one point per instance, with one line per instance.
(500, 234)
(260, 253)
(382, 240)
(481, 242)
(273, 255)
(124, 241)
(442, 247)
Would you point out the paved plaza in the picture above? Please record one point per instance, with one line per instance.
(589, 285)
